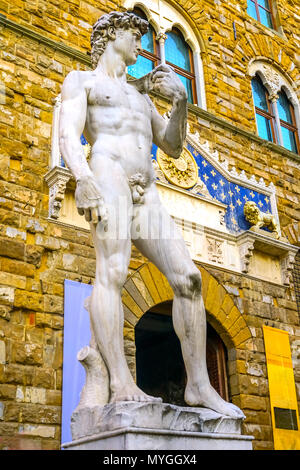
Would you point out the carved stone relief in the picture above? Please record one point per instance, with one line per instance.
(57, 180)
(215, 250)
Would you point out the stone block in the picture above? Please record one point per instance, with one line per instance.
(8, 429)
(33, 255)
(5, 312)
(31, 395)
(253, 385)
(18, 374)
(54, 397)
(41, 414)
(29, 300)
(43, 378)
(13, 280)
(258, 417)
(12, 412)
(12, 249)
(2, 352)
(17, 267)
(252, 402)
(7, 295)
(7, 391)
(37, 430)
(27, 353)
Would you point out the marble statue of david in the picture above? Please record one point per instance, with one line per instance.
(120, 122)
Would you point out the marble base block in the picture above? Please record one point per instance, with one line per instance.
(154, 426)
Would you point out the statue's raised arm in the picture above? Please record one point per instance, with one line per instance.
(168, 135)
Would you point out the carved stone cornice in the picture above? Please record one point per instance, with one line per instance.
(250, 241)
(59, 46)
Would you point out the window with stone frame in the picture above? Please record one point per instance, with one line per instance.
(265, 118)
(170, 46)
(179, 56)
(288, 126)
(275, 115)
(261, 10)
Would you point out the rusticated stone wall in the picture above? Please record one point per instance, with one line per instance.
(36, 255)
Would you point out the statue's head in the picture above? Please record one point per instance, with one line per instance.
(104, 30)
(251, 211)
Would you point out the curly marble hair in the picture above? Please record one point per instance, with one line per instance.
(115, 19)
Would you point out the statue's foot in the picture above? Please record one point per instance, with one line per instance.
(132, 393)
(207, 397)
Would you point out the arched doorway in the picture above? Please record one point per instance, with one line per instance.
(160, 369)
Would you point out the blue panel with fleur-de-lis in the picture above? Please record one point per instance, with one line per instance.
(232, 194)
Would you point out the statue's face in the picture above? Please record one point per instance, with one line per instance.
(128, 44)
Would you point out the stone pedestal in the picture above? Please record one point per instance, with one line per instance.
(154, 426)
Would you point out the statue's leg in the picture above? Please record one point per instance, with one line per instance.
(172, 258)
(113, 249)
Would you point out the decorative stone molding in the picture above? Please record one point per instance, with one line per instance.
(246, 251)
(287, 266)
(250, 241)
(57, 180)
(271, 78)
(215, 250)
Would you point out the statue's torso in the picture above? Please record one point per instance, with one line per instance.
(118, 124)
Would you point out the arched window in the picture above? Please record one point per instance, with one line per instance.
(263, 110)
(276, 104)
(172, 49)
(275, 118)
(179, 55)
(261, 10)
(288, 125)
(149, 57)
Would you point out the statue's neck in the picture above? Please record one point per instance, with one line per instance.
(112, 64)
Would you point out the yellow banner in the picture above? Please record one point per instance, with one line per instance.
(284, 408)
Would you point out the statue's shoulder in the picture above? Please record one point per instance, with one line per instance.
(78, 77)
(76, 82)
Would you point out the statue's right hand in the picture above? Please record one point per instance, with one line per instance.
(89, 201)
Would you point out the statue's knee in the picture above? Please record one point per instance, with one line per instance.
(118, 275)
(111, 274)
(188, 284)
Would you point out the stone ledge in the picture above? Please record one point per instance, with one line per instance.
(153, 439)
(21, 29)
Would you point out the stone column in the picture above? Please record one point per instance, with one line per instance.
(161, 37)
(273, 100)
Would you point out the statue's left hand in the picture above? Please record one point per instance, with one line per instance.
(164, 80)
